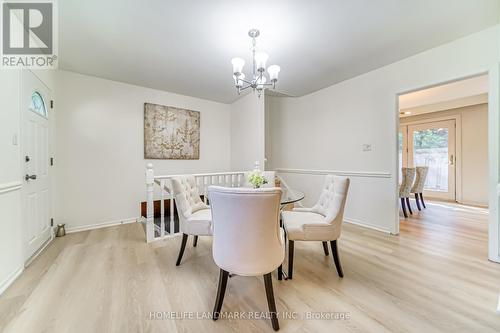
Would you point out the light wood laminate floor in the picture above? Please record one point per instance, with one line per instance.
(433, 277)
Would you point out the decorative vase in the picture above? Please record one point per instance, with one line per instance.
(61, 231)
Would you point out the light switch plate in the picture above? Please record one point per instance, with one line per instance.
(367, 147)
(14, 139)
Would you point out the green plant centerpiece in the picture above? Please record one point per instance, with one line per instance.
(257, 179)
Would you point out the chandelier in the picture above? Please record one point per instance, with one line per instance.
(258, 82)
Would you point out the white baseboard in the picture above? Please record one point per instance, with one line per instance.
(40, 250)
(495, 259)
(473, 203)
(10, 279)
(366, 225)
(102, 225)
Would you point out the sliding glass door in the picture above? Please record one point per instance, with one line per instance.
(431, 144)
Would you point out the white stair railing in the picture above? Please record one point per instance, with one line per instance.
(203, 181)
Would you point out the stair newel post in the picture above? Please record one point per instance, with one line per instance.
(150, 179)
(256, 166)
(172, 198)
(162, 207)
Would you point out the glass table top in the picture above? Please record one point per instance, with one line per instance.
(290, 195)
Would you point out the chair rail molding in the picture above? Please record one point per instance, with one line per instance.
(366, 174)
(11, 186)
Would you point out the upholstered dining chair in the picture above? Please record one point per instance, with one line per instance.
(408, 175)
(269, 175)
(322, 222)
(418, 186)
(247, 238)
(195, 217)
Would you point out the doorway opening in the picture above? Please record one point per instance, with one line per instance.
(443, 158)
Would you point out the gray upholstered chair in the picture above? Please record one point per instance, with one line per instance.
(322, 222)
(408, 175)
(247, 238)
(418, 186)
(195, 217)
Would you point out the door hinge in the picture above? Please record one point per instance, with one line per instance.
(51, 104)
(52, 222)
(51, 161)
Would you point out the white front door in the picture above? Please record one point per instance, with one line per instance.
(35, 103)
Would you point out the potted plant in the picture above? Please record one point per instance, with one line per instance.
(257, 179)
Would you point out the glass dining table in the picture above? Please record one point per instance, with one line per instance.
(289, 195)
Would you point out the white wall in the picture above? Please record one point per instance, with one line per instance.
(247, 132)
(99, 152)
(474, 150)
(475, 155)
(325, 130)
(11, 231)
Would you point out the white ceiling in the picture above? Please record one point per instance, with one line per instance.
(186, 46)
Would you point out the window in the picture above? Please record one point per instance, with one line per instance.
(38, 104)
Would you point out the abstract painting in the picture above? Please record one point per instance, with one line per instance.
(171, 133)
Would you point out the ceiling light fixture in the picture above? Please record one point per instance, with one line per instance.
(258, 82)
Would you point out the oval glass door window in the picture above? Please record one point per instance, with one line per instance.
(38, 104)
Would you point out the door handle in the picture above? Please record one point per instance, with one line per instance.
(28, 177)
(452, 160)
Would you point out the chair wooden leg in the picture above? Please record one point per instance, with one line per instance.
(280, 272)
(270, 301)
(181, 251)
(195, 241)
(403, 207)
(336, 259)
(409, 206)
(422, 199)
(290, 259)
(325, 248)
(417, 200)
(221, 290)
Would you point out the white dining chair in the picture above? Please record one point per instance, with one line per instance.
(269, 175)
(247, 238)
(322, 222)
(418, 186)
(408, 175)
(195, 217)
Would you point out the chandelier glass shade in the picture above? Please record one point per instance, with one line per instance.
(258, 81)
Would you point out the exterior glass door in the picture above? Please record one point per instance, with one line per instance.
(432, 144)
